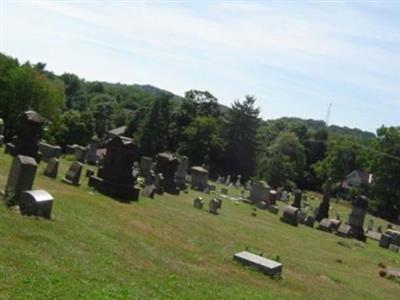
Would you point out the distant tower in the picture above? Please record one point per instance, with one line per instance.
(328, 114)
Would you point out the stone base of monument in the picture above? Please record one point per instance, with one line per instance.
(373, 235)
(309, 221)
(266, 266)
(344, 230)
(290, 215)
(36, 203)
(124, 193)
(358, 234)
(273, 209)
(329, 225)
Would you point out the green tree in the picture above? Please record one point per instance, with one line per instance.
(241, 136)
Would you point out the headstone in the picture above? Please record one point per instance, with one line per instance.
(158, 179)
(326, 225)
(199, 178)
(213, 206)
(20, 177)
(395, 236)
(91, 155)
(73, 175)
(36, 203)
(356, 217)
(284, 196)
(297, 199)
(181, 173)
(248, 185)
(52, 168)
(145, 166)
(374, 235)
(344, 230)
(394, 248)
(385, 240)
(267, 266)
(290, 215)
(198, 203)
(49, 151)
(238, 181)
(262, 205)
(259, 192)
(115, 177)
(323, 210)
(148, 191)
(167, 164)
(228, 180)
(80, 154)
(309, 221)
(301, 217)
(29, 130)
(273, 209)
(150, 178)
(273, 195)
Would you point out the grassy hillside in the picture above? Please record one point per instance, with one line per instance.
(163, 248)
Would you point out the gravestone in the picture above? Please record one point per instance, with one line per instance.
(158, 178)
(150, 178)
(356, 217)
(344, 230)
(273, 195)
(309, 221)
(238, 181)
(259, 192)
(301, 217)
(73, 175)
(323, 210)
(29, 130)
(49, 151)
(52, 168)
(20, 177)
(213, 206)
(115, 178)
(181, 173)
(167, 165)
(297, 199)
(385, 240)
(394, 248)
(290, 215)
(273, 209)
(199, 180)
(145, 166)
(198, 203)
(374, 235)
(91, 155)
(248, 185)
(80, 154)
(36, 203)
(228, 180)
(395, 236)
(266, 266)
(327, 225)
(148, 191)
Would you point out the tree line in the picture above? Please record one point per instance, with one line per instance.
(287, 152)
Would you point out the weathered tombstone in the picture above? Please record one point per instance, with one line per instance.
(323, 210)
(198, 203)
(52, 168)
(158, 178)
(373, 235)
(273, 209)
(267, 266)
(344, 230)
(248, 185)
(49, 151)
(238, 181)
(309, 221)
(36, 203)
(284, 196)
(199, 178)
(273, 195)
(259, 192)
(115, 178)
(73, 175)
(148, 191)
(29, 130)
(297, 199)
(181, 173)
(167, 164)
(326, 225)
(228, 180)
(145, 166)
(356, 217)
(395, 236)
(80, 154)
(301, 217)
(290, 215)
(394, 248)
(262, 205)
(91, 155)
(213, 206)
(385, 240)
(20, 177)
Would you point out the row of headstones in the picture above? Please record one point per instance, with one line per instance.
(214, 205)
(229, 182)
(390, 240)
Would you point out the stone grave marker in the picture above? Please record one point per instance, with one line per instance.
(385, 240)
(394, 235)
(52, 168)
(238, 181)
(323, 210)
(49, 151)
(344, 230)
(80, 153)
(36, 203)
(20, 177)
(327, 225)
(290, 215)
(73, 175)
(158, 178)
(394, 248)
(149, 191)
(266, 266)
(213, 206)
(309, 221)
(356, 217)
(198, 203)
(259, 192)
(181, 173)
(167, 164)
(199, 178)
(145, 166)
(273, 195)
(91, 154)
(297, 199)
(373, 235)
(273, 209)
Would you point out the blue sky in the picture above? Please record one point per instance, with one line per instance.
(294, 57)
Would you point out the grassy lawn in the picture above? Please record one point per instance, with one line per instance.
(163, 248)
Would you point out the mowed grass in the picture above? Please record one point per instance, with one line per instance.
(163, 248)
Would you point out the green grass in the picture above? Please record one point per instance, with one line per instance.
(163, 248)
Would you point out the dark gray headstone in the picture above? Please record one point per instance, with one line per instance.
(213, 206)
(181, 173)
(344, 230)
(309, 221)
(273, 209)
(327, 225)
(259, 192)
(80, 153)
(167, 165)
(52, 168)
(385, 240)
(323, 209)
(21, 177)
(198, 203)
(145, 166)
(290, 215)
(49, 151)
(36, 203)
(73, 175)
(395, 236)
(199, 178)
(148, 191)
(357, 216)
(91, 155)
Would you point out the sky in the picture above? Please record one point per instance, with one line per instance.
(295, 57)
